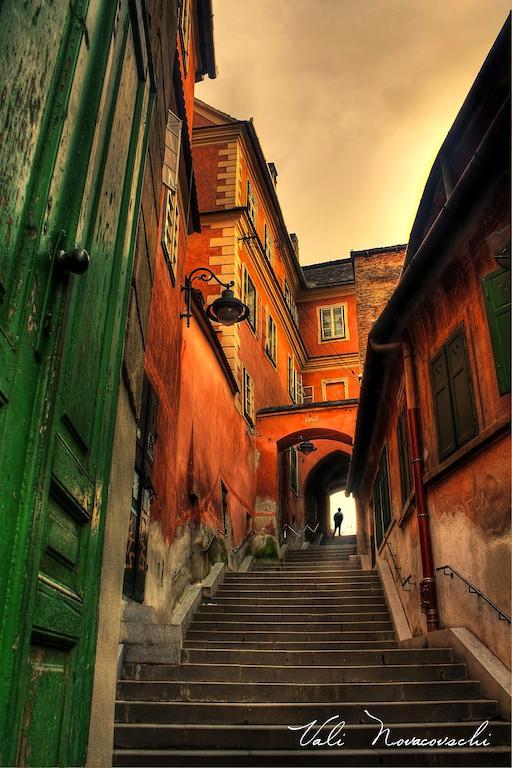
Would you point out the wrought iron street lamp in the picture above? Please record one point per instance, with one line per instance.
(226, 310)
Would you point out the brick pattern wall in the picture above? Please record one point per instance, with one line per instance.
(227, 173)
(376, 276)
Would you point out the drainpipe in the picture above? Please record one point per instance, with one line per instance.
(428, 584)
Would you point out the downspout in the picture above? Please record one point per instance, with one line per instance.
(428, 584)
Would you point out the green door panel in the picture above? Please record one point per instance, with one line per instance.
(61, 349)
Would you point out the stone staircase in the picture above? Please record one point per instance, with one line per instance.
(288, 644)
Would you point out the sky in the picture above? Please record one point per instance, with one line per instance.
(347, 505)
(351, 99)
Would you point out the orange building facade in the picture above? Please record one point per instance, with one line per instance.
(236, 402)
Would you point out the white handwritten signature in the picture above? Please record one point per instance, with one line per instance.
(335, 737)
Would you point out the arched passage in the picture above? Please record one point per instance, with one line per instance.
(279, 429)
(328, 475)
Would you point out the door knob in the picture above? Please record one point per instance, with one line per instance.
(76, 261)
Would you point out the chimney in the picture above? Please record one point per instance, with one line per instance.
(273, 172)
(295, 243)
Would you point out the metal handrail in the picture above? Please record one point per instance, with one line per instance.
(235, 550)
(449, 571)
(203, 549)
(299, 533)
(398, 570)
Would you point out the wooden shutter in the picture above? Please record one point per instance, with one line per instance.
(404, 457)
(386, 501)
(460, 383)
(172, 151)
(377, 511)
(496, 287)
(442, 404)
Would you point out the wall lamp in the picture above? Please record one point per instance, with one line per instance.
(226, 310)
(306, 447)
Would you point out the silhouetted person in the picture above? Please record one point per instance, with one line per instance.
(338, 519)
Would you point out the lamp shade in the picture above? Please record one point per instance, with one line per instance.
(227, 310)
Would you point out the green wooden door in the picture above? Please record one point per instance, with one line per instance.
(74, 104)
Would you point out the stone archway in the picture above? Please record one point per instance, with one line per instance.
(282, 427)
(326, 476)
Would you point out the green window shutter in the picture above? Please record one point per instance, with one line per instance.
(496, 287)
(377, 511)
(386, 501)
(381, 499)
(462, 398)
(404, 457)
(442, 404)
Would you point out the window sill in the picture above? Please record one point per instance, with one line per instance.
(490, 435)
(407, 508)
(386, 535)
(272, 362)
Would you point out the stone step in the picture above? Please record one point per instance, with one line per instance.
(286, 674)
(304, 602)
(301, 645)
(361, 619)
(309, 568)
(369, 693)
(223, 625)
(289, 580)
(363, 605)
(335, 657)
(311, 592)
(306, 634)
(281, 737)
(296, 613)
(395, 758)
(347, 560)
(342, 556)
(419, 711)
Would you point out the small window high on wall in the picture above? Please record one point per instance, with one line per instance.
(332, 323)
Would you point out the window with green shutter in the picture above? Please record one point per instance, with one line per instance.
(452, 394)
(381, 498)
(404, 456)
(496, 287)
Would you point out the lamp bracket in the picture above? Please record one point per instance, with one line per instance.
(206, 275)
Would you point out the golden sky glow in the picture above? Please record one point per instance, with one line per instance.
(351, 100)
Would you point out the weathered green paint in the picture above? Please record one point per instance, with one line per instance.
(74, 104)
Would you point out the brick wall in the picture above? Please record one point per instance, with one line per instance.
(377, 272)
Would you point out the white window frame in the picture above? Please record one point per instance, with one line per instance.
(170, 173)
(248, 397)
(252, 203)
(269, 245)
(291, 377)
(325, 383)
(253, 316)
(307, 395)
(271, 339)
(290, 303)
(299, 390)
(330, 308)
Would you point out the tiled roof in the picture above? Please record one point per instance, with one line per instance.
(329, 272)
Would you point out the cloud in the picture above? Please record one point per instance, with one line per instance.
(351, 99)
